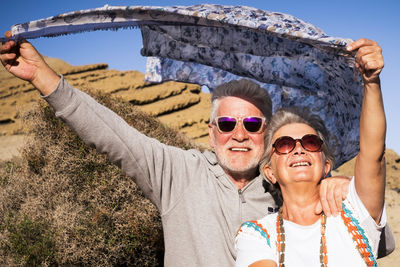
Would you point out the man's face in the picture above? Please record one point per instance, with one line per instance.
(238, 151)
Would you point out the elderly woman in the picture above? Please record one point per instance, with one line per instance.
(296, 159)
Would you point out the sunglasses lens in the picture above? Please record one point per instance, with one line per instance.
(226, 124)
(284, 144)
(311, 143)
(252, 124)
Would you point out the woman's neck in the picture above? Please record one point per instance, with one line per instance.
(299, 204)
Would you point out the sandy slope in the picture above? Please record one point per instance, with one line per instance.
(10, 146)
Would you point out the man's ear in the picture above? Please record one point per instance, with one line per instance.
(211, 136)
(269, 173)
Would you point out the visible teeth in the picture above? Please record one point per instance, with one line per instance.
(239, 149)
(301, 164)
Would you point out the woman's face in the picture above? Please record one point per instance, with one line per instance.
(298, 165)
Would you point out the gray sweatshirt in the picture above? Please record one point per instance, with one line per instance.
(201, 209)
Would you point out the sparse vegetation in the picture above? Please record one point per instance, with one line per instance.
(30, 243)
(64, 204)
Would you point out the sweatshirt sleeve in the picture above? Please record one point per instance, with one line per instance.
(159, 170)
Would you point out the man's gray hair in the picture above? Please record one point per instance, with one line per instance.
(244, 89)
(286, 116)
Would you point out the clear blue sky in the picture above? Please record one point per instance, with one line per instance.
(378, 20)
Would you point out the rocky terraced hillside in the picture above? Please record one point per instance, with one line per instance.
(179, 105)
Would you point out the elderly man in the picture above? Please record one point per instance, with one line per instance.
(202, 197)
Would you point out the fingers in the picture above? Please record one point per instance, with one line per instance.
(337, 198)
(7, 35)
(7, 52)
(331, 199)
(318, 208)
(345, 190)
(332, 192)
(324, 198)
(7, 46)
(359, 43)
(8, 57)
(370, 58)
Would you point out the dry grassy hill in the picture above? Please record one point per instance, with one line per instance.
(179, 105)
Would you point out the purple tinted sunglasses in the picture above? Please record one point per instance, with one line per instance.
(252, 124)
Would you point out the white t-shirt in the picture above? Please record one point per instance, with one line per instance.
(256, 242)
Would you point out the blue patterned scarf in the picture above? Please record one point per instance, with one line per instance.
(297, 63)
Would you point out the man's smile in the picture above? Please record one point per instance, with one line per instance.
(239, 149)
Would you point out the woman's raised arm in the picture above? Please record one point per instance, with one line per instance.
(370, 164)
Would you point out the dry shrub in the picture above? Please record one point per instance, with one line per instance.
(64, 204)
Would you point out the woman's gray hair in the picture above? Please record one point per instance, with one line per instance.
(286, 116)
(244, 89)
